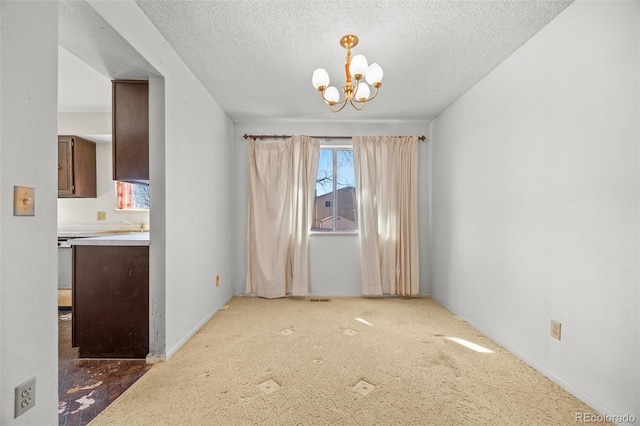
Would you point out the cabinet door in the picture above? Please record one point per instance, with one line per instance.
(130, 130)
(111, 301)
(84, 168)
(76, 167)
(65, 166)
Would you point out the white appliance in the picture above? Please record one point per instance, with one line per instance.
(64, 264)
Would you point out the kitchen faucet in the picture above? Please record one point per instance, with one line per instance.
(141, 224)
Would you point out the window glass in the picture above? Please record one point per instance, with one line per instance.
(132, 196)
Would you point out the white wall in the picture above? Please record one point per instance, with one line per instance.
(157, 250)
(28, 265)
(536, 203)
(334, 265)
(85, 123)
(195, 185)
(84, 210)
(2, 205)
(334, 260)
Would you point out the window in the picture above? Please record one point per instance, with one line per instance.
(335, 207)
(132, 196)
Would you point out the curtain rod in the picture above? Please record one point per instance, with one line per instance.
(262, 137)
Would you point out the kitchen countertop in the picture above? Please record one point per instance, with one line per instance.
(87, 234)
(116, 239)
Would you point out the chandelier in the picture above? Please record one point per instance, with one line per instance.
(355, 67)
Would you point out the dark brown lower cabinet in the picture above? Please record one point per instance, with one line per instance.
(111, 301)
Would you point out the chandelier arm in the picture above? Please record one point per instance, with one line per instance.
(354, 105)
(328, 101)
(371, 98)
(344, 103)
(368, 99)
(355, 89)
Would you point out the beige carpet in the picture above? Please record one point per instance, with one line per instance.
(350, 361)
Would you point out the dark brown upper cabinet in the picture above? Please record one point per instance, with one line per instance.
(76, 167)
(130, 130)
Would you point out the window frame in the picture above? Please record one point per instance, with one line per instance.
(334, 205)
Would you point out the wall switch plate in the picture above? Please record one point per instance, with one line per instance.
(556, 330)
(24, 200)
(102, 215)
(25, 397)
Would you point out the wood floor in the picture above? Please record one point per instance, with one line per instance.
(87, 386)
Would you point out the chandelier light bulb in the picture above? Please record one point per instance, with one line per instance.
(363, 92)
(358, 65)
(320, 78)
(331, 94)
(374, 74)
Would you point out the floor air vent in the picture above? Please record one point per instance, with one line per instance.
(319, 299)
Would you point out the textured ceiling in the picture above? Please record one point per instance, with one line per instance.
(256, 58)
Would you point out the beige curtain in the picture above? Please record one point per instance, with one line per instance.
(282, 178)
(387, 185)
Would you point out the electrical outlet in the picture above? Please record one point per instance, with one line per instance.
(217, 280)
(102, 215)
(556, 329)
(25, 397)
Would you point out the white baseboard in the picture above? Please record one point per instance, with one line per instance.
(155, 359)
(194, 330)
(425, 295)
